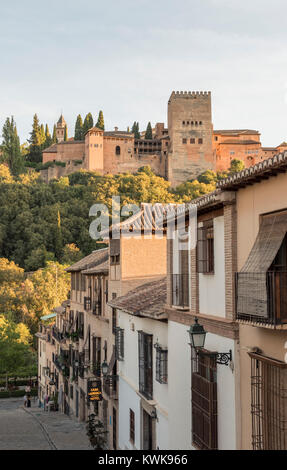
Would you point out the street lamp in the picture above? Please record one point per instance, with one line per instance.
(105, 368)
(197, 336)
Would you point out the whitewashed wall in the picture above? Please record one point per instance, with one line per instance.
(212, 286)
(179, 387)
(129, 381)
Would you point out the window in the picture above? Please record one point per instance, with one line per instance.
(119, 343)
(145, 364)
(161, 364)
(205, 248)
(107, 291)
(114, 428)
(132, 426)
(184, 141)
(118, 150)
(200, 141)
(215, 138)
(268, 403)
(192, 140)
(115, 259)
(204, 400)
(71, 392)
(114, 320)
(81, 325)
(183, 123)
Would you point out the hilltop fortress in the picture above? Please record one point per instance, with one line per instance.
(183, 150)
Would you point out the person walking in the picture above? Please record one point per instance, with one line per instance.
(25, 400)
(28, 401)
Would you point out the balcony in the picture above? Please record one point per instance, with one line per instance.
(261, 298)
(180, 290)
(110, 386)
(87, 303)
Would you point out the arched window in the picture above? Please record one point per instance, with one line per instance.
(118, 150)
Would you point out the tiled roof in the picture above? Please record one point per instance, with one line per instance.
(148, 218)
(147, 300)
(118, 134)
(235, 131)
(239, 142)
(99, 269)
(269, 167)
(94, 259)
(52, 149)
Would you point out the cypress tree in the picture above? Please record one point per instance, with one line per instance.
(48, 138)
(79, 128)
(35, 141)
(66, 133)
(135, 130)
(148, 132)
(11, 151)
(54, 136)
(100, 123)
(58, 240)
(88, 123)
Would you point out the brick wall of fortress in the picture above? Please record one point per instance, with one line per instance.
(189, 120)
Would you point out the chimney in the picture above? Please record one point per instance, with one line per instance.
(116, 129)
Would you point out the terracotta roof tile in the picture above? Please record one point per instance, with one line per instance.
(147, 300)
(96, 258)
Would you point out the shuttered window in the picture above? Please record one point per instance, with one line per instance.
(132, 426)
(161, 365)
(145, 364)
(268, 403)
(205, 248)
(204, 401)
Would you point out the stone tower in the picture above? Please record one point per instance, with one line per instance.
(190, 132)
(60, 129)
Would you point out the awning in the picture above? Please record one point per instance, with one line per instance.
(48, 317)
(252, 286)
(112, 362)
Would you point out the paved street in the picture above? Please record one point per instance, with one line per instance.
(34, 429)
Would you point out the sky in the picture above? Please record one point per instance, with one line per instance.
(126, 57)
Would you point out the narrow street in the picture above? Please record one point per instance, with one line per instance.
(34, 429)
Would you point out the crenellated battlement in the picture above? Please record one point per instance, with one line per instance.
(189, 95)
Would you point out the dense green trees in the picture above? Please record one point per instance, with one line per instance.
(11, 151)
(78, 135)
(148, 132)
(101, 123)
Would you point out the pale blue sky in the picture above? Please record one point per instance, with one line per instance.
(125, 57)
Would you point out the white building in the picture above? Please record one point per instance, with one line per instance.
(141, 350)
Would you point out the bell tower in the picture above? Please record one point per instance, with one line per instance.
(60, 129)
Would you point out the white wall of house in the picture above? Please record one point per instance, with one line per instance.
(129, 380)
(179, 387)
(180, 409)
(212, 286)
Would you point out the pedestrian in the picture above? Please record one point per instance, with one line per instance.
(27, 389)
(28, 401)
(25, 400)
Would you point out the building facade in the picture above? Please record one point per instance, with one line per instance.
(180, 152)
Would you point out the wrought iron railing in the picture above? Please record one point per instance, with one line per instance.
(180, 290)
(262, 297)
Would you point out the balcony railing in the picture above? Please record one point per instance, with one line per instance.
(97, 307)
(262, 297)
(180, 290)
(87, 303)
(110, 386)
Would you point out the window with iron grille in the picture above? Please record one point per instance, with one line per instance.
(81, 325)
(204, 400)
(97, 356)
(205, 248)
(119, 343)
(161, 365)
(114, 320)
(145, 364)
(268, 403)
(132, 426)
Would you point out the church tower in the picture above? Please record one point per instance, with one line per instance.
(60, 129)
